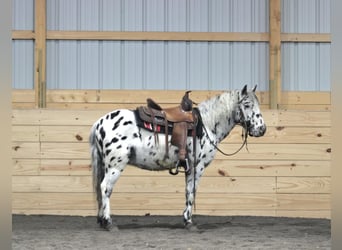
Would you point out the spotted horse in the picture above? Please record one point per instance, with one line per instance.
(116, 140)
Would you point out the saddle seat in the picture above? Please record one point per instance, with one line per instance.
(180, 113)
(180, 118)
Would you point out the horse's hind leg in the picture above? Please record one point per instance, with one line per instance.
(112, 173)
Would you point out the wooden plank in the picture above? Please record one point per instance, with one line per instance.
(132, 184)
(104, 107)
(279, 152)
(173, 96)
(23, 35)
(158, 36)
(204, 36)
(23, 96)
(275, 53)
(56, 167)
(309, 185)
(274, 134)
(256, 151)
(142, 201)
(228, 167)
(146, 212)
(306, 37)
(65, 150)
(304, 118)
(306, 97)
(25, 133)
(282, 134)
(65, 133)
(306, 107)
(26, 117)
(70, 118)
(28, 150)
(303, 202)
(319, 214)
(88, 117)
(125, 96)
(26, 167)
(23, 105)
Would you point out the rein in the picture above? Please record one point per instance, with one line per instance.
(245, 135)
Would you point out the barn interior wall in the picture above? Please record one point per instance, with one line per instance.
(285, 173)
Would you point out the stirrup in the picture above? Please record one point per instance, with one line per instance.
(178, 164)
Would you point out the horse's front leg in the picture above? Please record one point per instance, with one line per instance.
(191, 185)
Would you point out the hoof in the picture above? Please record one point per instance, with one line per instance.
(106, 224)
(191, 227)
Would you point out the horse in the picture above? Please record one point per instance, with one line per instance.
(116, 140)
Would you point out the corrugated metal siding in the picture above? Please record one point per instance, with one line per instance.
(306, 66)
(22, 64)
(156, 65)
(305, 16)
(158, 15)
(22, 14)
(173, 65)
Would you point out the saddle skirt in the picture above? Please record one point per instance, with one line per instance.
(155, 120)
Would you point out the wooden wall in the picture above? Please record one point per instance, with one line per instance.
(285, 173)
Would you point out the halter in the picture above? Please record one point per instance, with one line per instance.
(242, 123)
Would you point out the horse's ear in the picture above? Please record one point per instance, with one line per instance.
(244, 90)
(255, 87)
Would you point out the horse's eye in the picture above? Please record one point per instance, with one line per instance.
(246, 105)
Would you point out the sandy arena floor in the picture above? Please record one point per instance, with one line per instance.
(167, 232)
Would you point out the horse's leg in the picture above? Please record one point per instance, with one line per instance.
(113, 169)
(190, 191)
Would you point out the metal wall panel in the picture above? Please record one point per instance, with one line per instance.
(158, 15)
(173, 65)
(22, 64)
(305, 16)
(23, 15)
(306, 66)
(156, 65)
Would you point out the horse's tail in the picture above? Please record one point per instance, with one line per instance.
(97, 165)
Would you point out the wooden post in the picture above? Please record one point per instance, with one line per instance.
(40, 53)
(275, 55)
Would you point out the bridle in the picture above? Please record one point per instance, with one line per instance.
(243, 123)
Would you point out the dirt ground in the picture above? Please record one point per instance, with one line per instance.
(167, 232)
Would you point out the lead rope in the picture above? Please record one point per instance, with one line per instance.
(244, 134)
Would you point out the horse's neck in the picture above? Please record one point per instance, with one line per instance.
(218, 114)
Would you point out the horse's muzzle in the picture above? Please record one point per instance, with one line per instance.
(257, 131)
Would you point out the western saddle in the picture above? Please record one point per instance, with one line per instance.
(179, 121)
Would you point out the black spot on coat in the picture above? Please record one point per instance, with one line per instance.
(114, 114)
(102, 133)
(116, 125)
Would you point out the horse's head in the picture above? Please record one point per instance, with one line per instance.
(248, 114)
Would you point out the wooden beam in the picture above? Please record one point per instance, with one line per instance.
(275, 54)
(40, 53)
(173, 36)
(158, 36)
(23, 35)
(307, 37)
